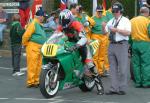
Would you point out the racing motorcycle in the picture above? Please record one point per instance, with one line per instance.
(63, 69)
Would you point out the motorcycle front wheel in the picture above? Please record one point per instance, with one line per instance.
(48, 86)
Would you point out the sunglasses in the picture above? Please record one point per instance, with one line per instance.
(115, 11)
(99, 11)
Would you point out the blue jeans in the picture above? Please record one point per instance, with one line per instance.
(2, 27)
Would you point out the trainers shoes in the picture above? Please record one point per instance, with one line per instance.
(105, 74)
(17, 74)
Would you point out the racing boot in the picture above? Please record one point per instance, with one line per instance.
(99, 85)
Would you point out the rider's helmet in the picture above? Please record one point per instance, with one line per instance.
(65, 18)
(117, 7)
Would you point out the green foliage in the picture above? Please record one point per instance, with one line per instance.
(129, 6)
(87, 5)
(56, 4)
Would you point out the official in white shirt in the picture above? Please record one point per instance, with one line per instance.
(119, 29)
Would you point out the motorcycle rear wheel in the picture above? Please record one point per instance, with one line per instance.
(47, 87)
(88, 85)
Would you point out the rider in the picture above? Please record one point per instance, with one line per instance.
(75, 32)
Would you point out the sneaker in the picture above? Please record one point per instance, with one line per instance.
(105, 74)
(17, 74)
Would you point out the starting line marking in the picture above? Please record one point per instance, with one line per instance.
(57, 99)
(3, 98)
(22, 69)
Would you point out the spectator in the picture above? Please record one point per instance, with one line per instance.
(51, 26)
(141, 48)
(86, 21)
(109, 16)
(16, 33)
(70, 2)
(33, 39)
(119, 29)
(3, 19)
(52, 22)
(24, 10)
(73, 9)
(98, 34)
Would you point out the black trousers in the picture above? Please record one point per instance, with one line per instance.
(16, 57)
(83, 53)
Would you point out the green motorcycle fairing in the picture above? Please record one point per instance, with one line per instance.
(69, 61)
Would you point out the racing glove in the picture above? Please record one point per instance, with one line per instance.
(73, 48)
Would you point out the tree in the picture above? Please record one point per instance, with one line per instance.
(48, 5)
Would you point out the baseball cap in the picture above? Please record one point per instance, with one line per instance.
(99, 8)
(117, 7)
(40, 12)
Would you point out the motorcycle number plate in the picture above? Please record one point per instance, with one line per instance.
(50, 50)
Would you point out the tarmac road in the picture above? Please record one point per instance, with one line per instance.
(13, 90)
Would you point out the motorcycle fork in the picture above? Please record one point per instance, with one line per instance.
(55, 70)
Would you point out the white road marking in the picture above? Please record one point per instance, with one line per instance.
(3, 98)
(5, 68)
(22, 69)
(32, 99)
(57, 99)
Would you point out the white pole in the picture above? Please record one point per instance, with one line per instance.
(94, 6)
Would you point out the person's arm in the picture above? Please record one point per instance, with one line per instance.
(127, 30)
(83, 40)
(20, 30)
(79, 28)
(28, 33)
(91, 21)
(123, 32)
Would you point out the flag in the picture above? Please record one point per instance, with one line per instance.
(104, 7)
(94, 6)
(63, 4)
(104, 4)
